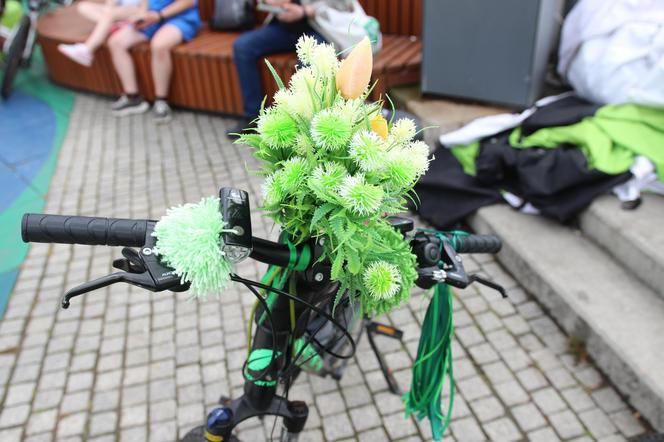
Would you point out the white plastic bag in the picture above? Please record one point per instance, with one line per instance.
(344, 29)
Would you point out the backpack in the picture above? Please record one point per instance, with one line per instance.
(344, 29)
(232, 15)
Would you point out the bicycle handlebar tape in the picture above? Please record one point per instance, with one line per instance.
(479, 244)
(36, 227)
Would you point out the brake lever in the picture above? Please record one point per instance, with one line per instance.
(499, 288)
(142, 280)
(142, 269)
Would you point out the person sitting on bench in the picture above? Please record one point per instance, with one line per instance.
(109, 16)
(165, 23)
(277, 36)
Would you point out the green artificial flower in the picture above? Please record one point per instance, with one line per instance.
(419, 153)
(305, 49)
(324, 60)
(359, 197)
(403, 131)
(293, 174)
(382, 280)
(294, 104)
(350, 109)
(273, 193)
(401, 170)
(303, 145)
(326, 179)
(367, 151)
(303, 82)
(330, 130)
(277, 128)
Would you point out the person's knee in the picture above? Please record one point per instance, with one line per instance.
(160, 48)
(244, 47)
(116, 43)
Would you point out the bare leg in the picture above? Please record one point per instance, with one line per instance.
(91, 10)
(163, 41)
(119, 45)
(110, 15)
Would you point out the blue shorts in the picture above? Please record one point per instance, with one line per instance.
(188, 22)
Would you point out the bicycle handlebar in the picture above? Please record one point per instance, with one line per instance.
(87, 230)
(62, 229)
(478, 244)
(83, 230)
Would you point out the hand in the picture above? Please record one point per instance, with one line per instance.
(292, 13)
(144, 19)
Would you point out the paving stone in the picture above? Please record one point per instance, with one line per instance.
(42, 422)
(628, 425)
(543, 435)
(398, 427)
(365, 417)
(483, 353)
(566, 424)
(337, 426)
(548, 400)
(102, 423)
(164, 432)
(375, 435)
(528, 416)
(487, 408)
(511, 393)
(608, 399)
(531, 378)
(473, 388)
(597, 423)
(72, 425)
(467, 430)
(578, 399)
(331, 402)
(502, 429)
(16, 415)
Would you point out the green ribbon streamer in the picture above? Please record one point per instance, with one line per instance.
(433, 364)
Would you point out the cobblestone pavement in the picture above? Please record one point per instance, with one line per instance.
(126, 365)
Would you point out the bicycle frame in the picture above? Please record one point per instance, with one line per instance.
(262, 368)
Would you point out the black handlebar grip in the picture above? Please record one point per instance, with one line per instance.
(62, 229)
(479, 244)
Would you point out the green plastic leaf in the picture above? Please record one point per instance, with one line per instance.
(274, 74)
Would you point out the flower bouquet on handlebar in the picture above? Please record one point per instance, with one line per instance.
(336, 173)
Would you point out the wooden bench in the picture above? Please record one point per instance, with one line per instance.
(204, 75)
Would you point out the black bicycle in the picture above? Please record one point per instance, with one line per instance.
(296, 328)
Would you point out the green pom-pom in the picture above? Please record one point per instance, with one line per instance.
(293, 174)
(360, 197)
(330, 130)
(189, 241)
(382, 280)
(367, 151)
(326, 179)
(277, 129)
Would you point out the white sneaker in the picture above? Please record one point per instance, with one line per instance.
(124, 106)
(77, 52)
(161, 112)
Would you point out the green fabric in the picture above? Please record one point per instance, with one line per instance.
(610, 139)
(466, 155)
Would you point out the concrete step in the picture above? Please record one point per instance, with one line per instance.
(592, 296)
(634, 238)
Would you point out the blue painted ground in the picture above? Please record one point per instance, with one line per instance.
(33, 122)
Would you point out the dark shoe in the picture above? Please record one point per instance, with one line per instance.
(161, 112)
(129, 106)
(243, 126)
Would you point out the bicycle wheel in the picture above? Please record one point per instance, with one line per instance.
(14, 56)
